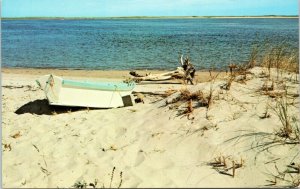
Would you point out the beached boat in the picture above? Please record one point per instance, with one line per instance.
(64, 92)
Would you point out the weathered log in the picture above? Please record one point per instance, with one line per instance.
(176, 74)
(185, 72)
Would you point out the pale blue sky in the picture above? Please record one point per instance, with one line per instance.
(98, 8)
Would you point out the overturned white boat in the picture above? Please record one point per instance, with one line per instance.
(64, 92)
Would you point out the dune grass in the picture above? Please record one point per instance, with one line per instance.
(282, 56)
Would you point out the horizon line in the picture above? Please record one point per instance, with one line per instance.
(110, 17)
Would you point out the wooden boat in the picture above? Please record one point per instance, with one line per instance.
(64, 92)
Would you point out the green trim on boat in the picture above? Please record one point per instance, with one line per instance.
(105, 86)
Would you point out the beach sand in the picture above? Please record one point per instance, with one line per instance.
(151, 144)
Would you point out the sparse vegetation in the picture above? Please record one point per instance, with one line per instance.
(288, 132)
(283, 57)
(223, 164)
(288, 177)
(7, 147)
(186, 95)
(16, 135)
(189, 110)
(266, 114)
(80, 184)
(290, 126)
(83, 183)
(193, 99)
(210, 95)
(253, 56)
(268, 88)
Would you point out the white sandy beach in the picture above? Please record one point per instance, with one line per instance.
(152, 144)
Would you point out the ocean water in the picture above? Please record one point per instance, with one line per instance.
(122, 44)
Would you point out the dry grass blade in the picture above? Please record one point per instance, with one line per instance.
(285, 178)
(17, 135)
(121, 179)
(263, 140)
(290, 126)
(253, 56)
(7, 146)
(198, 96)
(282, 57)
(190, 108)
(288, 134)
(220, 165)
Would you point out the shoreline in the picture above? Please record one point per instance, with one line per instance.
(201, 75)
(95, 70)
(152, 17)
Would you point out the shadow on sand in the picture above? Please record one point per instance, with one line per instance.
(159, 82)
(42, 107)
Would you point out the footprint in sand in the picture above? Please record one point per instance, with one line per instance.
(168, 165)
(134, 182)
(139, 159)
(120, 132)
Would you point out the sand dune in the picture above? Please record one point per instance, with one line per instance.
(154, 144)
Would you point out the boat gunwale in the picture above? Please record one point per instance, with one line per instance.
(104, 86)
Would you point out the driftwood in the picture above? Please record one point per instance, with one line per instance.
(176, 74)
(185, 72)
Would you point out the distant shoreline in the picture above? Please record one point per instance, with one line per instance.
(147, 17)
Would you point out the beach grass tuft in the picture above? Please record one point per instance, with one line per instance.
(289, 124)
(223, 164)
(282, 56)
(288, 177)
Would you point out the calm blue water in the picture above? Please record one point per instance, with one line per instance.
(137, 44)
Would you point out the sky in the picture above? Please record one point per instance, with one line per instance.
(111, 8)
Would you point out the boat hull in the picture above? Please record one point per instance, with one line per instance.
(84, 94)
